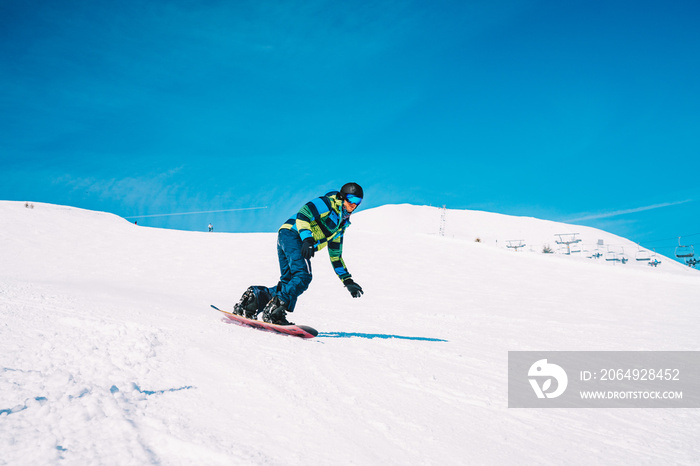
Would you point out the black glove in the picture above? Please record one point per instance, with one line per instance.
(307, 248)
(354, 289)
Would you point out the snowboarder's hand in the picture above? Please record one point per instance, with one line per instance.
(354, 289)
(307, 248)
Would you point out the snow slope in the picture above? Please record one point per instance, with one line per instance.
(110, 354)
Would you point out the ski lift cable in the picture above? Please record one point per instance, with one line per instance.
(193, 213)
(675, 238)
(669, 239)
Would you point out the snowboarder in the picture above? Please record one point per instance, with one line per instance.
(319, 223)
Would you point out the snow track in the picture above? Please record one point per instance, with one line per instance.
(110, 354)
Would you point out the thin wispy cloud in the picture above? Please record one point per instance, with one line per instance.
(615, 213)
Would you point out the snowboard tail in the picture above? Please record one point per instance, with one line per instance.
(301, 331)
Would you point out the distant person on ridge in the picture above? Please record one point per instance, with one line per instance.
(319, 223)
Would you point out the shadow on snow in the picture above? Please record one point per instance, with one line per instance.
(371, 336)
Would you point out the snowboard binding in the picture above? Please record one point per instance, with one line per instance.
(248, 304)
(275, 312)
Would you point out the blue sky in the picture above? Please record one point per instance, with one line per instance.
(585, 111)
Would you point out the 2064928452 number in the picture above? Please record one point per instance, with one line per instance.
(639, 374)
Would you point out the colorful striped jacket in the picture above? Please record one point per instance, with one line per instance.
(325, 220)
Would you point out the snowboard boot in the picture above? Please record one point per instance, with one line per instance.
(275, 312)
(248, 305)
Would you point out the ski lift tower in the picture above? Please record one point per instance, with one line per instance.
(568, 239)
(443, 220)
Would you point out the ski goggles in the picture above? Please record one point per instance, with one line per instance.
(352, 199)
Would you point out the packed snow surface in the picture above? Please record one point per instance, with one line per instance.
(111, 355)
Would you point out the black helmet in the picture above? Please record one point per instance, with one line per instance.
(351, 188)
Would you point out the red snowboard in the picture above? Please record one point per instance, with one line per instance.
(302, 331)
